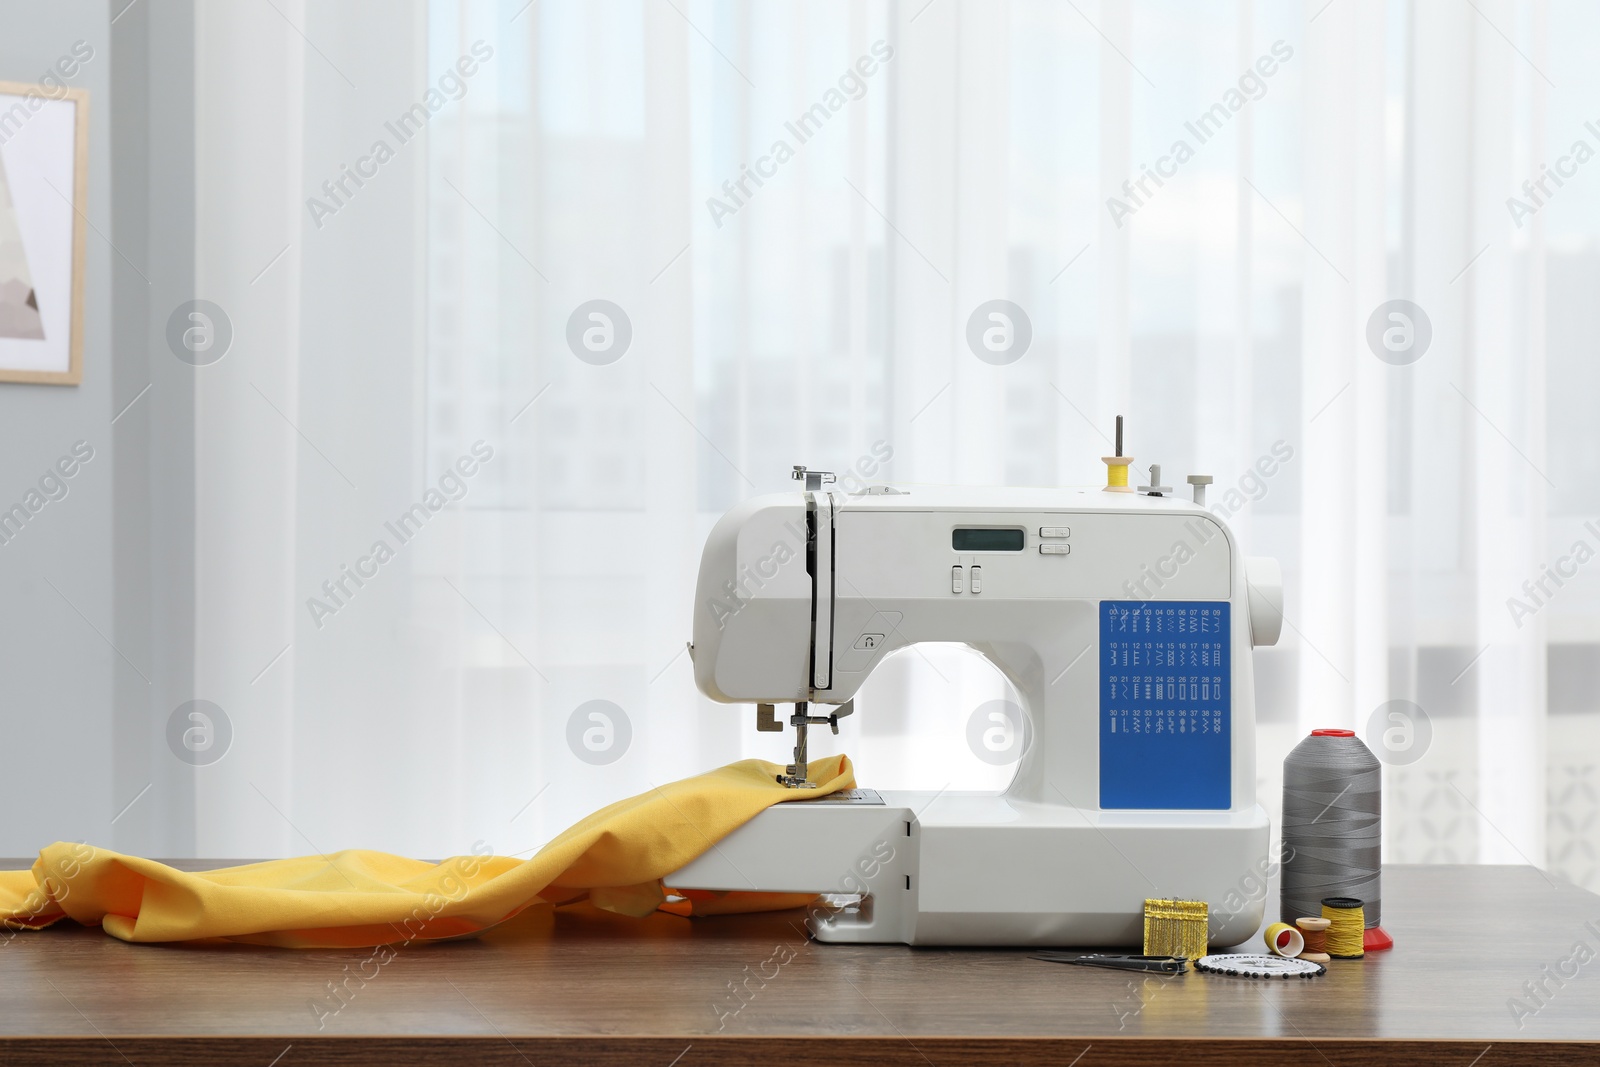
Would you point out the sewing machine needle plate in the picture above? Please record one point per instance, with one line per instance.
(849, 796)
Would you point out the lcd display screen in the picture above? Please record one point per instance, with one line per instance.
(969, 540)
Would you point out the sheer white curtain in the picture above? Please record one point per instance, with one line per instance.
(938, 156)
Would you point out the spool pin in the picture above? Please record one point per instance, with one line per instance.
(1117, 466)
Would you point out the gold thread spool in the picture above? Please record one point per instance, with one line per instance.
(1117, 476)
(1176, 928)
(1347, 927)
(1315, 931)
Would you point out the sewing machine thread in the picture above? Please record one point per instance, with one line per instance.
(1315, 931)
(1332, 815)
(1347, 927)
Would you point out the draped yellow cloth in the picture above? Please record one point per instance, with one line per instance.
(616, 858)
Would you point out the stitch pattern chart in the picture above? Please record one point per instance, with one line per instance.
(1165, 700)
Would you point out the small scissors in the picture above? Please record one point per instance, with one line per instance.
(1158, 964)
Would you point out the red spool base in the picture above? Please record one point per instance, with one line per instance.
(1375, 940)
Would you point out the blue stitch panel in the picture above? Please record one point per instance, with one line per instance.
(1166, 697)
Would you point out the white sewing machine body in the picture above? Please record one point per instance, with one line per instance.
(1125, 623)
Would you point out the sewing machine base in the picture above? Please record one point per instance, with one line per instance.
(990, 870)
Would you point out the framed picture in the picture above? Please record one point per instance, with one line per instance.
(44, 187)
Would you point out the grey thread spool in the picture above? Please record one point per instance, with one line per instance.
(1332, 825)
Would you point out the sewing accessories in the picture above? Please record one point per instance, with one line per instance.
(1348, 925)
(1284, 940)
(1155, 964)
(1175, 928)
(1314, 929)
(1241, 965)
(1332, 829)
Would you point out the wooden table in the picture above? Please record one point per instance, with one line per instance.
(594, 988)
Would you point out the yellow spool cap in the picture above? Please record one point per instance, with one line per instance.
(1347, 927)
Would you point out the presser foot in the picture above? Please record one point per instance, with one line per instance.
(796, 775)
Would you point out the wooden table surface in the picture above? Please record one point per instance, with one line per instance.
(659, 992)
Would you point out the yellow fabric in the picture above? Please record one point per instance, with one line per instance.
(616, 858)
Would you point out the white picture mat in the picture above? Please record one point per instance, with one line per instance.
(41, 154)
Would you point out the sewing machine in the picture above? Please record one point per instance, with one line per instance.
(1124, 620)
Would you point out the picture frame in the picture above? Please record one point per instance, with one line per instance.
(44, 188)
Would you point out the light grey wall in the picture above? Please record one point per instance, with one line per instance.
(96, 639)
(59, 669)
(153, 189)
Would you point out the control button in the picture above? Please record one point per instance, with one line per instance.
(977, 579)
(1054, 550)
(1055, 531)
(955, 579)
(858, 657)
